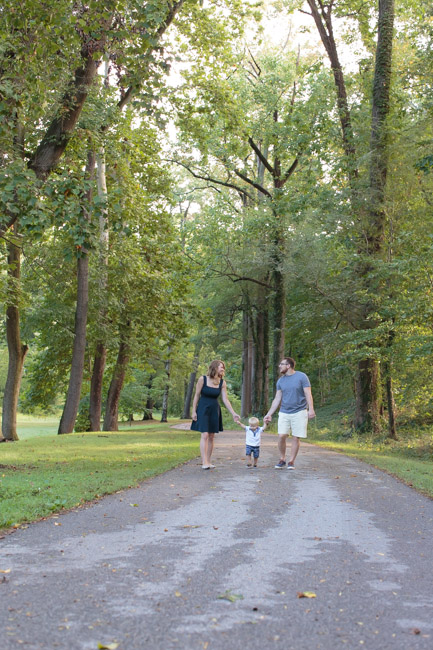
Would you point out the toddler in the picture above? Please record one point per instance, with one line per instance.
(253, 434)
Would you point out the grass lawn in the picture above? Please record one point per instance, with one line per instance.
(29, 426)
(44, 473)
(410, 458)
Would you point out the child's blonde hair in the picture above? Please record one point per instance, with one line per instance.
(253, 422)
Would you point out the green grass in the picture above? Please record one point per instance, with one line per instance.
(29, 426)
(410, 458)
(45, 473)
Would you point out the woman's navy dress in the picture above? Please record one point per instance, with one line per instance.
(209, 418)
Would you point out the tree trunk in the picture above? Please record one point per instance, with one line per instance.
(376, 218)
(186, 415)
(379, 132)
(166, 390)
(368, 398)
(322, 15)
(392, 427)
(278, 312)
(17, 351)
(246, 366)
(367, 404)
(148, 412)
(261, 364)
(264, 401)
(388, 372)
(61, 128)
(70, 409)
(111, 418)
(95, 402)
(96, 384)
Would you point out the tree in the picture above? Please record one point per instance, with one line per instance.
(372, 220)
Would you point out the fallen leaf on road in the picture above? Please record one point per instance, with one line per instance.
(227, 595)
(108, 646)
(177, 594)
(415, 630)
(306, 594)
(134, 505)
(5, 570)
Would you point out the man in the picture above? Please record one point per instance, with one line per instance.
(294, 395)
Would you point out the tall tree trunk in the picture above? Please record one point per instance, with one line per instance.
(246, 365)
(367, 403)
(264, 401)
(260, 391)
(17, 351)
(111, 418)
(70, 409)
(368, 397)
(389, 388)
(96, 383)
(148, 411)
(186, 415)
(278, 312)
(167, 367)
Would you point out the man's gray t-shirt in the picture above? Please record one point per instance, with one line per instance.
(292, 387)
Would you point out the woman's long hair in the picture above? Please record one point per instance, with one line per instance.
(213, 367)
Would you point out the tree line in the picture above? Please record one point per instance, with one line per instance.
(287, 213)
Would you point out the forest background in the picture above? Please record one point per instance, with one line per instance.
(182, 181)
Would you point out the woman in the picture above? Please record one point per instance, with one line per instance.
(206, 411)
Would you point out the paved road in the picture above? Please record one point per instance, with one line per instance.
(146, 568)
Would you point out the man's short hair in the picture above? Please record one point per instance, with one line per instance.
(290, 361)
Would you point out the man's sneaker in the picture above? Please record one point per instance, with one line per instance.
(290, 466)
(280, 465)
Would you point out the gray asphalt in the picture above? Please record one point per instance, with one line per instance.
(147, 567)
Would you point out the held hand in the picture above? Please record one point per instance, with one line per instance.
(267, 419)
(311, 414)
(194, 416)
(236, 417)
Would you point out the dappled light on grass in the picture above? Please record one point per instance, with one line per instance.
(48, 473)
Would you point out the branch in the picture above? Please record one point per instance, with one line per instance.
(129, 94)
(291, 169)
(231, 274)
(333, 304)
(253, 183)
(260, 156)
(210, 179)
(239, 278)
(258, 68)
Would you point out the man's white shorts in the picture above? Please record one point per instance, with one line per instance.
(294, 423)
